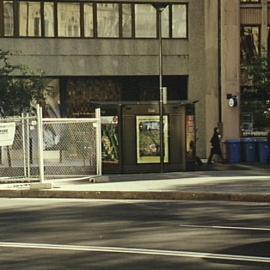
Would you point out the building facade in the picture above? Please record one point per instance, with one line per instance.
(94, 51)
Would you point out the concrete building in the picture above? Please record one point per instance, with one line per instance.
(109, 51)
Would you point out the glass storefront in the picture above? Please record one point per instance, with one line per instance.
(79, 93)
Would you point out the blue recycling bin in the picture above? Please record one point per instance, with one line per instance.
(233, 151)
(249, 149)
(264, 151)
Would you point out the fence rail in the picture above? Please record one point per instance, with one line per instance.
(51, 148)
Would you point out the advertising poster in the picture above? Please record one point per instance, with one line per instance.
(109, 139)
(148, 139)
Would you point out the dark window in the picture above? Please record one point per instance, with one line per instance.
(250, 42)
(255, 112)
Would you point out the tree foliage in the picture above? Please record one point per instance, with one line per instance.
(19, 86)
(257, 70)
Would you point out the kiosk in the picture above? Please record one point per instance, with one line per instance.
(131, 136)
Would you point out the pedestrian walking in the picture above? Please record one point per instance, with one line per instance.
(215, 146)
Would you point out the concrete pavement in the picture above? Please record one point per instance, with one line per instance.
(220, 182)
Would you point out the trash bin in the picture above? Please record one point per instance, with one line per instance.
(249, 149)
(233, 151)
(263, 151)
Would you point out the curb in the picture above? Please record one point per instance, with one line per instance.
(136, 195)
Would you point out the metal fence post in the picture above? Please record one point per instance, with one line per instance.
(40, 143)
(98, 142)
(24, 144)
(28, 145)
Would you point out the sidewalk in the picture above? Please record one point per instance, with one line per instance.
(249, 183)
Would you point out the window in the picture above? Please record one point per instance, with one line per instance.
(74, 18)
(8, 18)
(268, 41)
(49, 19)
(145, 21)
(30, 20)
(165, 23)
(108, 20)
(250, 42)
(255, 104)
(126, 20)
(179, 21)
(255, 112)
(68, 19)
(88, 20)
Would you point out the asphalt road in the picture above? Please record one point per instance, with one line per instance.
(88, 234)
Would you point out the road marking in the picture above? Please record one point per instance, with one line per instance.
(173, 253)
(226, 227)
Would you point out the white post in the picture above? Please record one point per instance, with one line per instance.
(28, 145)
(40, 143)
(98, 143)
(24, 145)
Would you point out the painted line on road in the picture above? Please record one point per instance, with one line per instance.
(158, 252)
(225, 227)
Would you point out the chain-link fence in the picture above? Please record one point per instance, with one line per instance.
(49, 148)
(69, 147)
(17, 155)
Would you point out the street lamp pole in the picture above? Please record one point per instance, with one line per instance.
(159, 8)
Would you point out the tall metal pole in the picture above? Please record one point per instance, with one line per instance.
(161, 134)
(159, 8)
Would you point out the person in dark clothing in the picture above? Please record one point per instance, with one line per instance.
(215, 146)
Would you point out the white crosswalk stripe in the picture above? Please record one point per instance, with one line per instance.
(224, 227)
(158, 252)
